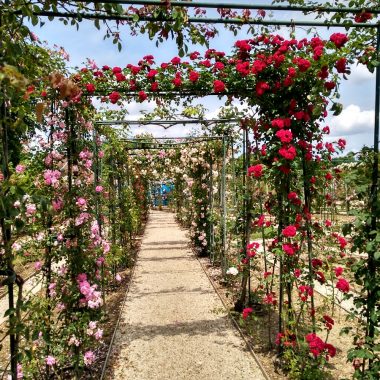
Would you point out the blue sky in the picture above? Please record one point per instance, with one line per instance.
(357, 94)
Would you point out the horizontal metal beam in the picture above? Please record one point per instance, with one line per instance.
(187, 138)
(195, 20)
(145, 122)
(234, 5)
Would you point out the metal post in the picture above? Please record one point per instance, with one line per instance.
(211, 212)
(6, 235)
(248, 206)
(224, 209)
(372, 262)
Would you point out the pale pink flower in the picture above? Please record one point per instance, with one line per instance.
(57, 204)
(31, 209)
(50, 360)
(20, 375)
(20, 168)
(81, 202)
(89, 357)
(98, 334)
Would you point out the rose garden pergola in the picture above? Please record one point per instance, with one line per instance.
(280, 77)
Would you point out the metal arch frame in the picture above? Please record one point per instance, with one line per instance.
(315, 10)
(166, 124)
(188, 140)
(204, 20)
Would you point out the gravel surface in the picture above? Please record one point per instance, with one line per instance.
(173, 325)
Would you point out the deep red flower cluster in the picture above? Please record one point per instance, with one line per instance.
(363, 16)
(252, 248)
(255, 170)
(247, 312)
(285, 135)
(289, 231)
(305, 291)
(339, 39)
(343, 285)
(317, 346)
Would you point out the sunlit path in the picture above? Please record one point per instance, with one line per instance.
(174, 325)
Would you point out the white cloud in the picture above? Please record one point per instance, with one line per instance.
(360, 74)
(353, 120)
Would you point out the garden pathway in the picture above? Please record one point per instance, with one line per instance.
(173, 325)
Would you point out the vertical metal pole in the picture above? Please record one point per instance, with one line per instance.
(224, 210)
(239, 305)
(6, 235)
(372, 262)
(247, 197)
(97, 170)
(211, 205)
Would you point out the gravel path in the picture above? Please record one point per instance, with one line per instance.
(173, 325)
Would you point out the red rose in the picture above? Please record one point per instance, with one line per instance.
(205, 63)
(243, 68)
(316, 263)
(219, 66)
(278, 123)
(343, 285)
(255, 170)
(154, 86)
(288, 249)
(132, 85)
(289, 231)
(288, 152)
(338, 271)
(194, 55)
(261, 87)
(44, 94)
(258, 66)
(330, 85)
(342, 143)
(120, 77)
(316, 344)
(193, 76)
(329, 176)
(363, 16)
(116, 70)
(142, 96)
(340, 65)
(105, 68)
(303, 64)
(318, 52)
(285, 135)
(90, 87)
(151, 74)
(246, 312)
(134, 69)
(339, 39)
(292, 72)
(243, 45)
(177, 81)
(114, 97)
(176, 61)
(342, 242)
(328, 319)
(219, 86)
(330, 349)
